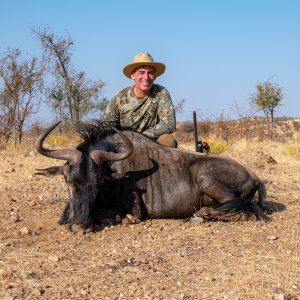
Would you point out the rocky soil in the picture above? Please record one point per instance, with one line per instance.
(155, 259)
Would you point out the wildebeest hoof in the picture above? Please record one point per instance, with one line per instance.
(93, 228)
(75, 228)
(130, 219)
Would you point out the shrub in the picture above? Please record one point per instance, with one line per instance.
(218, 146)
(56, 141)
(293, 151)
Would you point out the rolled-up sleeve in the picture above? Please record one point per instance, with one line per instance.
(111, 110)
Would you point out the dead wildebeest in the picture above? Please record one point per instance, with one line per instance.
(116, 172)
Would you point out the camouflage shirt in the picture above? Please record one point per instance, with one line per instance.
(153, 115)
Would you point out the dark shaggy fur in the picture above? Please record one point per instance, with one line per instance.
(168, 183)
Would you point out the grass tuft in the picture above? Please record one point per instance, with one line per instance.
(293, 151)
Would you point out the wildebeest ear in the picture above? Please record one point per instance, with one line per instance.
(52, 171)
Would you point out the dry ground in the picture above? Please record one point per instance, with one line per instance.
(156, 259)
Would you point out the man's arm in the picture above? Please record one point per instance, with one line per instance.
(111, 110)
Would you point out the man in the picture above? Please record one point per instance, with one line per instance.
(145, 107)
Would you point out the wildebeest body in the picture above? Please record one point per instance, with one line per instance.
(160, 175)
(171, 183)
(174, 183)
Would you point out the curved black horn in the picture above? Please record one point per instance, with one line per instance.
(71, 155)
(100, 156)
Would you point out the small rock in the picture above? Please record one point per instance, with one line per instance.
(53, 258)
(24, 231)
(71, 290)
(32, 153)
(272, 237)
(270, 160)
(15, 218)
(42, 291)
(130, 261)
(5, 274)
(8, 244)
(183, 296)
(196, 220)
(33, 203)
(278, 293)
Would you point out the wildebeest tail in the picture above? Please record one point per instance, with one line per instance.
(242, 205)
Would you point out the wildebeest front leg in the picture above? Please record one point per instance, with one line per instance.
(136, 209)
(136, 212)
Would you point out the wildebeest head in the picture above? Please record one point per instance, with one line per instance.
(85, 169)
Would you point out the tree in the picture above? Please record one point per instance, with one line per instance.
(72, 95)
(267, 98)
(20, 94)
(179, 106)
(243, 117)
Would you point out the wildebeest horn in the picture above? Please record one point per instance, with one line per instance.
(71, 155)
(100, 156)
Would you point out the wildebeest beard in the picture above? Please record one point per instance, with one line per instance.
(82, 199)
(100, 200)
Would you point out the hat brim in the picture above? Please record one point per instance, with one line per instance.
(129, 68)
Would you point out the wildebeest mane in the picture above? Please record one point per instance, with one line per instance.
(95, 132)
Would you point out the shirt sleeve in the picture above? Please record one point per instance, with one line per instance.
(111, 110)
(166, 116)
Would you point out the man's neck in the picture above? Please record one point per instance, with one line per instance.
(140, 94)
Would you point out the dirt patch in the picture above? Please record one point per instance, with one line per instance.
(155, 259)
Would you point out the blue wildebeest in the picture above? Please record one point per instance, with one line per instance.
(116, 172)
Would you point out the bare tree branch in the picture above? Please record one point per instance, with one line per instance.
(72, 95)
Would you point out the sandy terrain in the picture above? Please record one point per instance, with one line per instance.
(155, 259)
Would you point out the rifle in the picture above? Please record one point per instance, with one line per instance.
(199, 145)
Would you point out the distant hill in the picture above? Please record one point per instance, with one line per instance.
(285, 129)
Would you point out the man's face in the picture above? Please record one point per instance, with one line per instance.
(144, 78)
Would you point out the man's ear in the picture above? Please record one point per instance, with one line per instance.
(52, 171)
(132, 76)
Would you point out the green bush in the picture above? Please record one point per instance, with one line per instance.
(56, 141)
(293, 151)
(217, 146)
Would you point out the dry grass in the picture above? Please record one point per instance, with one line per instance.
(157, 259)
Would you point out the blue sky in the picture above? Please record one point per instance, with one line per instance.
(215, 51)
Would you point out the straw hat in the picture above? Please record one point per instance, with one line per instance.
(143, 59)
